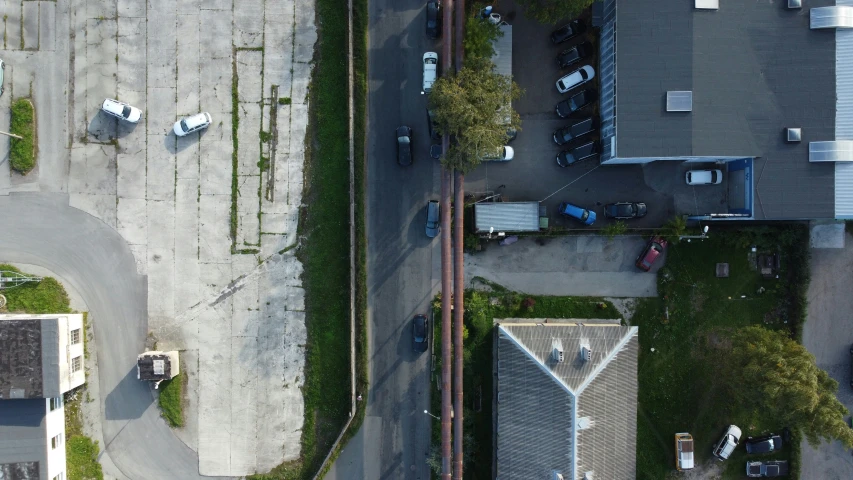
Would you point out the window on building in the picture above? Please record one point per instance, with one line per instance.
(56, 441)
(75, 336)
(76, 364)
(59, 476)
(55, 402)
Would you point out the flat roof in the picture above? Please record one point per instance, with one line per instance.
(506, 217)
(23, 439)
(754, 68)
(21, 374)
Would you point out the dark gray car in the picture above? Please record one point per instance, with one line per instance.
(420, 333)
(433, 219)
(404, 146)
(568, 133)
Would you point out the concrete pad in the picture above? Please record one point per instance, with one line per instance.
(186, 219)
(160, 173)
(299, 83)
(96, 8)
(247, 30)
(162, 50)
(132, 60)
(47, 26)
(140, 254)
(93, 170)
(213, 40)
(215, 379)
(826, 234)
(213, 278)
(244, 405)
(13, 39)
(31, 25)
(188, 83)
(130, 8)
(161, 289)
(215, 168)
(249, 147)
(99, 206)
(216, 75)
(272, 244)
(247, 312)
(187, 157)
(131, 175)
(161, 225)
(132, 220)
(214, 228)
(250, 71)
(186, 7)
(281, 223)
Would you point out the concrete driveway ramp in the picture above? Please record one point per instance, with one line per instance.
(824, 234)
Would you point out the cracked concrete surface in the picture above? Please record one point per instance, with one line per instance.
(238, 318)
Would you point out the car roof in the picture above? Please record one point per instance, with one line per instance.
(196, 120)
(113, 106)
(585, 149)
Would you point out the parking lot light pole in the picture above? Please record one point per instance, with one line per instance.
(433, 416)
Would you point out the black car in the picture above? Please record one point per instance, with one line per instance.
(567, 158)
(569, 57)
(569, 31)
(764, 444)
(404, 146)
(576, 102)
(771, 468)
(625, 210)
(433, 19)
(420, 333)
(570, 132)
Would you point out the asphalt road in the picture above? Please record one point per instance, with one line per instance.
(41, 229)
(403, 263)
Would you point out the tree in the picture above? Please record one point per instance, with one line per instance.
(471, 106)
(770, 371)
(552, 11)
(479, 35)
(674, 229)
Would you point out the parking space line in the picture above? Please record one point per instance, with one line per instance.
(570, 183)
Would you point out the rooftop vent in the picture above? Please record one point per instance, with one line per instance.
(587, 476)
(707, 4)
(557, 476)
(793, 135)
(586, 351)
(159, 367)
(679, 101)
(558, 350)
(584, 423)
(795, 4)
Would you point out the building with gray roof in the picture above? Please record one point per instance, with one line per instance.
(761, 89)
(565, 399)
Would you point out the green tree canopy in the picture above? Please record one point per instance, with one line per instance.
(479, 35)
(771, 371)
(475, 107)
(552, 11)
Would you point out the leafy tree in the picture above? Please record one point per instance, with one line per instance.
(479, 35)
(614, 229)
(769, 370)
(471, 107)
(674, 228)
(552, 11)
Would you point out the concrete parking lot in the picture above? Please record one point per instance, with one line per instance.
(534, 174)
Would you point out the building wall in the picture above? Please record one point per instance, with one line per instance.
(71, 326)
(55, 426)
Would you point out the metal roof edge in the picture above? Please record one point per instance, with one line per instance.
(633, 332)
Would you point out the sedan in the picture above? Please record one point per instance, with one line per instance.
(625, 210)
(704, 177)
(503, 154)
(586, 217)
(121, 110)
(587, 151)
(568, 32)
(404, 146)
(651, 252)
(420, 333)
(575, 79)
(569, 57)
(433, 214)
(574, 131)
(576, 102)
(194, 123)
(430, 70)
(433, 19)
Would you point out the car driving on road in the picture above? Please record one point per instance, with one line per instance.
(570, 56)
(404, 145)
(586, 217)
(576, 102)
(433, 19)
(433, 218)
(625, 210)
(188, 125)
(575, 79)
(430, 70)
(568, 31)
(420, 333)
(653, 249)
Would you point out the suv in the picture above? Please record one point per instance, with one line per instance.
(575, 79)
(430, 70)
(121, 110)
(568, 31)
(765, 444)
(586, 217)
(567, 158)
(566, 134)
(576, 102)
(188, 125)
(727, 444)
(771, 468)
(651, 252)
(433, 214)
(683, 451)
(569, 57)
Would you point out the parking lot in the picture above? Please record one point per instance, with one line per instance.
(534, 174)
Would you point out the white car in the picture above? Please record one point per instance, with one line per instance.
(578, 77)
(430, 70)
(121, 110)
(194, 123)
(504, 154)
(704, 177)
(727, 444)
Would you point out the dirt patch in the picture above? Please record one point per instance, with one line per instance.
(709, 470)
(625, 307)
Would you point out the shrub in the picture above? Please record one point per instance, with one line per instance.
(284, 101)
(171, 393)
(22, 153)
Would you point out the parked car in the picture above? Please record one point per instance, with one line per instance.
(430, 70)
(568, 31)
(433, 19)
(404, 145)
(683, 451)
(575, 79)
(770, 468)
(653, 249)
(625, 210)
(764, 444)
(570, 56)
(570, 132)
(586, 217)
(121, 110)
(569, 157)
(704, 177)
(504, 154)
(433, 131)
(727, 444)
(433, 218)
(576, 102)
(420, 333)
(188, 125)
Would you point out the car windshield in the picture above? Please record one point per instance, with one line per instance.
(430, 61)
(585, 215)
(584, 75)
(126, 111)
(403, 140)
(184, 126)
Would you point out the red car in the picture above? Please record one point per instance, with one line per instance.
(651, 252)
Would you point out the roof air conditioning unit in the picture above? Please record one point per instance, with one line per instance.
(793, 135)
(792, 4)
(586, 351)
(587, 476)
(558, 350)
(557, 476)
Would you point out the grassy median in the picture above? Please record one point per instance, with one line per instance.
(171, 401)
(22, 155)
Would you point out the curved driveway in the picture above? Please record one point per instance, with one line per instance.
(42, 229)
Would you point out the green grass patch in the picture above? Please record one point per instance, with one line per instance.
(171, 400)
(683, 333)
(22, 154)
(82, 459)
(481, 309)
(47, 296)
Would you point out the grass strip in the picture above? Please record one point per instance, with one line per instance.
(171, 401)
(22, 152)
(81, 455)
(46, 296)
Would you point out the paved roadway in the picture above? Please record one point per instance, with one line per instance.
(41, 229)
(402, 262)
